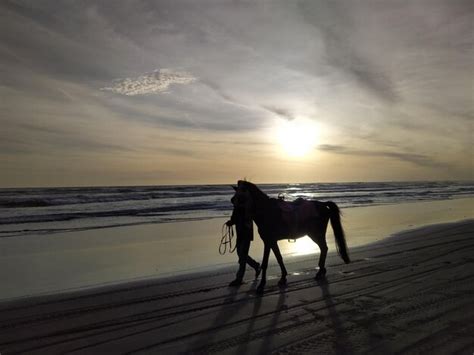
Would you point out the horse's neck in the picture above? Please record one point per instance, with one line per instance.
(261, 206)
(261, 201)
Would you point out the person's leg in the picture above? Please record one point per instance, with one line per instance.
(242, 250)
(240, 247)
(245, 257)
(249, 260)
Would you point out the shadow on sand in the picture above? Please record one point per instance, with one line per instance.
(267, 344)
(244, 309)
(342, 344)
(231, 307)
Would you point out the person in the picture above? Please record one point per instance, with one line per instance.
(244, 229)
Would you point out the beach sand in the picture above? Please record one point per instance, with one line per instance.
(410, 293)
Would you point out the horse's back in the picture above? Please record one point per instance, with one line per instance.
(294, 219)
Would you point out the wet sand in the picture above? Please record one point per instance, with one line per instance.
(410, 293)
(63, 262)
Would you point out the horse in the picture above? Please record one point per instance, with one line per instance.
(277, 219)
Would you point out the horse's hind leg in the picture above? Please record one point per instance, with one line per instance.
(322, 258)
(263, 281)
(276, 251)
(320, 240)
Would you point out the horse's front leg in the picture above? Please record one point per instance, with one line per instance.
(263, 281)
(284, 273)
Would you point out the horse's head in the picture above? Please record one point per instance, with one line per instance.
(242, 195)
(243, 198)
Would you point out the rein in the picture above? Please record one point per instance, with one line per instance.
(226, 239)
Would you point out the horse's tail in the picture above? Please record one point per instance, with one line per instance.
(335, 217)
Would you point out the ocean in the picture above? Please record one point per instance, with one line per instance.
(27, 211)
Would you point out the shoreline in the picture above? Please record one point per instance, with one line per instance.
(227, 269)
(411, 292)
(147, 252)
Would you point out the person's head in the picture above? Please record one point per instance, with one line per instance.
(242, 197)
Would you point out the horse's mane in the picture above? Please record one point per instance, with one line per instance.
(254, 190)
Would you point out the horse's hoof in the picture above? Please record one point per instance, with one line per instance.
(258, 270)
(260, 290)
(282, 282)
(320, 275)
(235, 283)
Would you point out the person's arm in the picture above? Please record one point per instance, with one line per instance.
(232, 219)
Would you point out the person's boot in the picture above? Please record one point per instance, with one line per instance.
(239, 277)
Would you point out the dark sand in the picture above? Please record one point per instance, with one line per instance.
(412, 293)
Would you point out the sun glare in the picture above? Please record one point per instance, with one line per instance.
(303, 246)
(297, 137)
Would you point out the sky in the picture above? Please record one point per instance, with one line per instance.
(203, 92)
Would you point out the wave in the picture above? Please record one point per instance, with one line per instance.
(37, 208)
(24, 203)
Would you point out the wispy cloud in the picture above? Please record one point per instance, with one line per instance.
(279, 111)
(158, 81)
(335, 25)
(414, 158)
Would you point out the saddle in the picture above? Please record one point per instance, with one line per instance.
(295, 213)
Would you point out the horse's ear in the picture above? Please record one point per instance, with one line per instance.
(234, 187)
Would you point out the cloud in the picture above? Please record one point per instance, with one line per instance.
(286, 114)
(158, 81)
(223, 95)
(335, 24)
(417, 159)
(332, 148)
(375, 75)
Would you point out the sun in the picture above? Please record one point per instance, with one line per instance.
(297, 137)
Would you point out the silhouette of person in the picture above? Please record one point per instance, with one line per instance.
(244, 228)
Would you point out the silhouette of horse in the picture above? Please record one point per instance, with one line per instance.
(277, 219)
